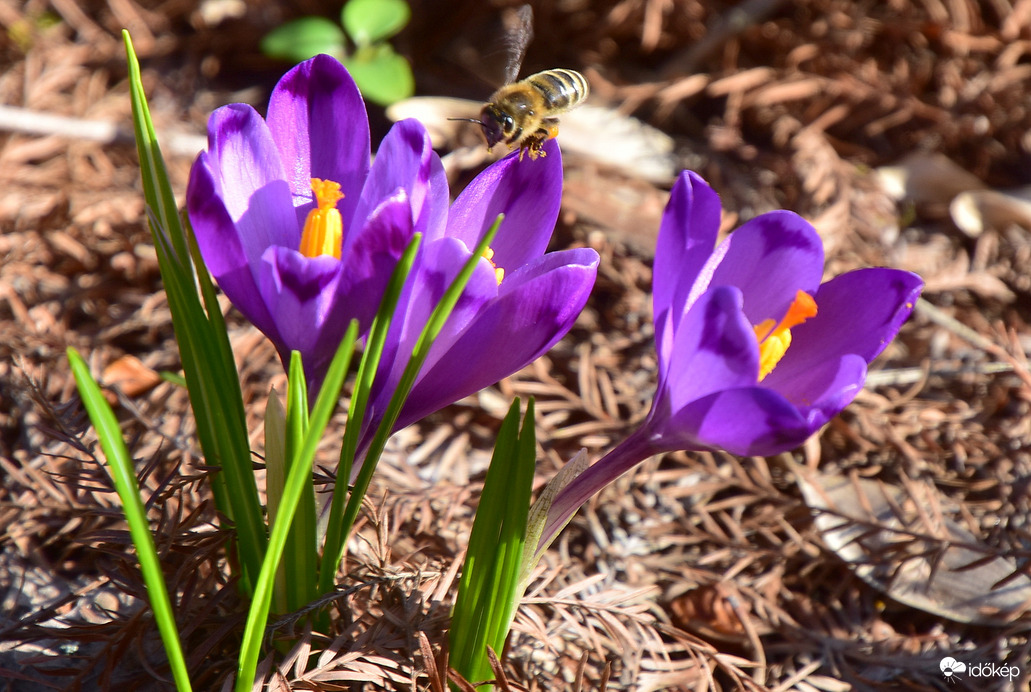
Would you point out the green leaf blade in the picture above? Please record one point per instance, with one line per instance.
(293, 490)
(491, 584)
(123, 474)
(208, 365)
(301, 565)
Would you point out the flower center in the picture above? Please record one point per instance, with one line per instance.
(499, 272)
(323, 229)
(774, 338)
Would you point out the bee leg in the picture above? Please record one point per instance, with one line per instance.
(534, 146)
(534, 143)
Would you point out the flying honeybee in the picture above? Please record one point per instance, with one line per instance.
(524, 114)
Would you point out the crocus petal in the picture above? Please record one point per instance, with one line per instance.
(299, 290)
(222, 248)
(315, 298)
(434, 274)
(714, 348)
(372, 258)
(748, 421)
(527, 318)
(247, 173)
(770, 258)
(386, 232)
(823, 389)
(527, 192)
(435, 269)
(859, 312)
(405, 160)
(318, 120)
(368, 270)
(687, 236)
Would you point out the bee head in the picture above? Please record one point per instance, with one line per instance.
(497, 125)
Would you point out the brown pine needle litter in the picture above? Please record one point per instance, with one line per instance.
(696, 572)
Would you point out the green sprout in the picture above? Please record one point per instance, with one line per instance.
(383, 76)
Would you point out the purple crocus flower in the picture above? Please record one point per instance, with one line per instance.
(302, 236)
(518, 303)
(297, 228)
(755, 354)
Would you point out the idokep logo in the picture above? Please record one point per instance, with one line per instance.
(955, 670)
(952, 669)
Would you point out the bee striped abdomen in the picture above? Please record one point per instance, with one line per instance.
(562, 89)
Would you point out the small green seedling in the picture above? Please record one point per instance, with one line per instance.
(383, 76)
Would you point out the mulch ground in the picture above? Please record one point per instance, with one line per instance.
(697, 571)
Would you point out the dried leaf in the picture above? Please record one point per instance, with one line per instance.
(898, 541)
(129, 374)
(931, 180)
(977, 210)
(706, 610)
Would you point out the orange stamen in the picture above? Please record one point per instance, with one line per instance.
(775, 338)
(499, 272)
(324, 228)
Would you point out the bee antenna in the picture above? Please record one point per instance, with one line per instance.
(468, 120)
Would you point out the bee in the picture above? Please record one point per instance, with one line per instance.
(524, 114)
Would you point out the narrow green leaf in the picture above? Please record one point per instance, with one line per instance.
(420, 351)
(208, 365)
(491, 586)
(336, 532)
(275, 452)
(173, 377)
(513, 534)
(369, 21)
(275, 479)
(123, 474)
(301, 558)
(298, 477)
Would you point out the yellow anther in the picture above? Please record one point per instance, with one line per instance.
(775, 338)
(324, 228)
(499, 272)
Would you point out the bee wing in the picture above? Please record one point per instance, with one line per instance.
(518, 37)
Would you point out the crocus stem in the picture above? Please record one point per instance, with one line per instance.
(626, 455)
